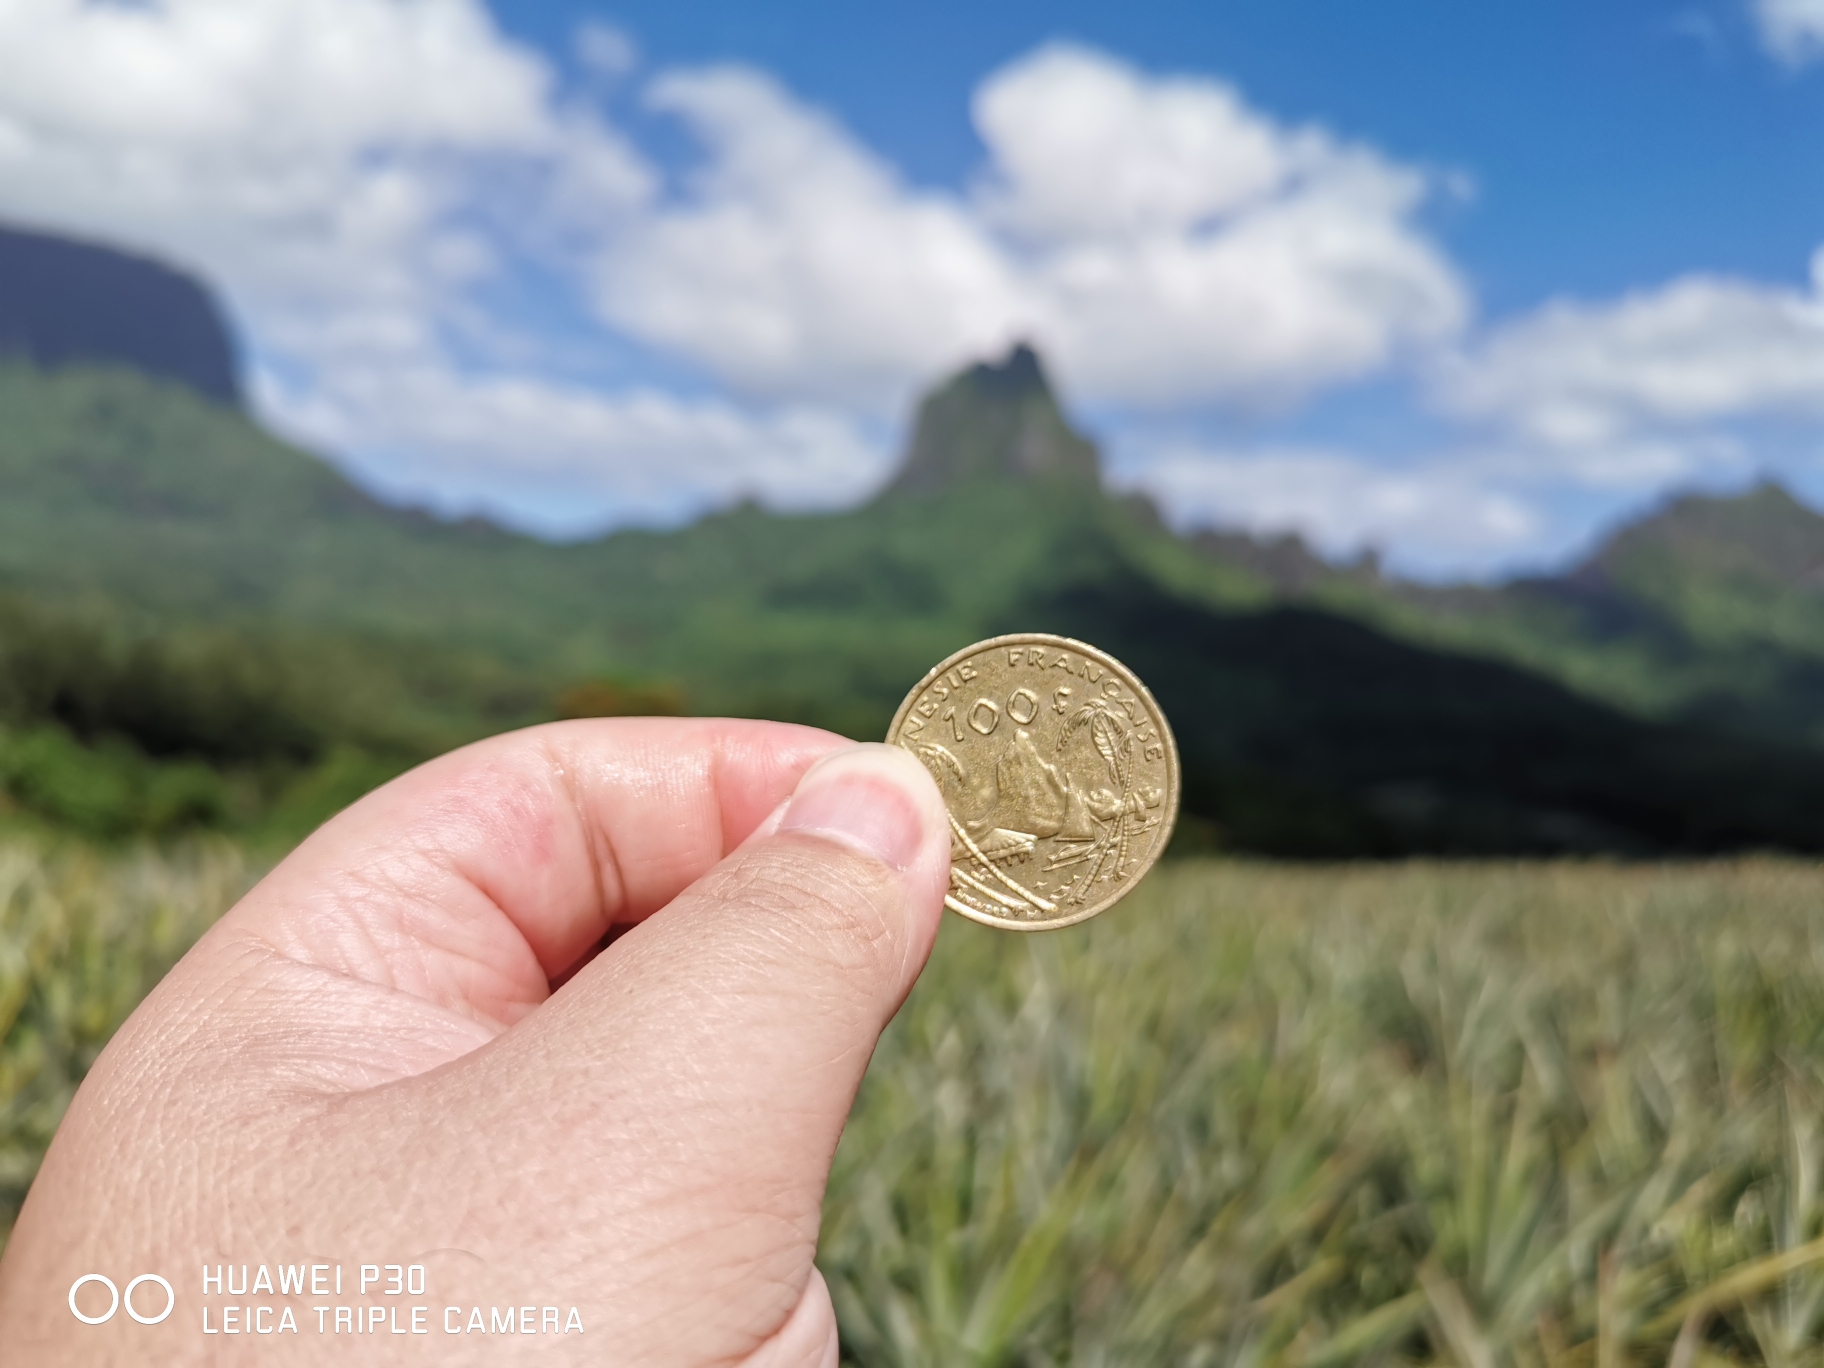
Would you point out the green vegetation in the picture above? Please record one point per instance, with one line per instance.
(200, 626)
(111, 727)
(154, 503)
(1554, 1114)
(1478, 1115)
(1550, 1114)
(1707, 610)
(83, 937)
(145, 497)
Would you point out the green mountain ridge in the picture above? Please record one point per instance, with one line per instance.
(1322, 709)
(1708, 610)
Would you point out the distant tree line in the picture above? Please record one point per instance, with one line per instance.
(111, 725)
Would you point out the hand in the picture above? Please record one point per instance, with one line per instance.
(425, 1040)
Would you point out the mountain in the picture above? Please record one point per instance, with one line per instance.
(1341, 714)
(141, 493)
(995, 421)
(1708, 611)
(1309, 734)
(1733, 572)
(64, 302)
(178, 586)
(1763, 539)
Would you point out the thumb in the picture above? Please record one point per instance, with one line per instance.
(760, 990)
(706, 1062)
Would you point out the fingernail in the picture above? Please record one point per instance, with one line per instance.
(864, 798)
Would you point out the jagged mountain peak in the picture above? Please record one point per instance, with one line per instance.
(996, 420)
(1763, 533)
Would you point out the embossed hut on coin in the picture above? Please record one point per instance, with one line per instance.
(1059, 773)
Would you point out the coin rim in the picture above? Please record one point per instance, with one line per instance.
(1133, 680)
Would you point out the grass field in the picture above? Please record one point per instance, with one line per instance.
(83, 937)
(1479, 1114)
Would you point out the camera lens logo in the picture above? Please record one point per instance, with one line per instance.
(115, 1298)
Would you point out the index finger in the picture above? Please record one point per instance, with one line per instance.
(477, 878)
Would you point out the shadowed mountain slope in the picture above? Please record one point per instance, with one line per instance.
(1309, 734)
(1709, 610)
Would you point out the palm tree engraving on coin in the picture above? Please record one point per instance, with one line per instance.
(1059, 772)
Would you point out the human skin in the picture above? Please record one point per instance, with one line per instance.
(407, 1045)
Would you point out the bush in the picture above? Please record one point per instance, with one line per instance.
(108, 789)
(618, 698)
(111, 725)
(208, 693)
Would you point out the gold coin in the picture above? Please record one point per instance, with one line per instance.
(1059, 771)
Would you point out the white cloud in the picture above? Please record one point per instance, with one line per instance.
(1683, 358)
(421, 430)
(1793, 30)
(1435, 515)
(328, 162)
(605, 49)
(353, 172)
(368, 179)
(1189, 248)
(1164, 243)
(800, 264)
(300, 149)
(242, 76)
(1085, 147)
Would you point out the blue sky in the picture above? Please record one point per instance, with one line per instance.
(1462, 283)
(1613, 145)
